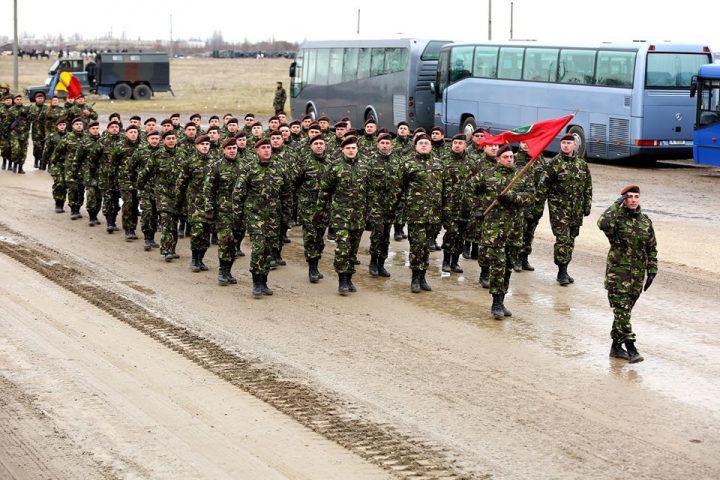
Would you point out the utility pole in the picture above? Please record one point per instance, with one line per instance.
(489, 19)
(358, 31)
(511, 20)
(15, 49)
(171, 41)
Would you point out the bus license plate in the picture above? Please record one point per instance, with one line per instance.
(677, 142)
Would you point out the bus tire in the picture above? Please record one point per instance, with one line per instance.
(310, 110)
(142, 92)
(370, 115)
(468, 127)
(122, 91)
(580, 144)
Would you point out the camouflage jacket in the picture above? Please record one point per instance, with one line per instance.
(262, 197)
(51, 142)
(310, 170)
(162, 169)
(190, 183)
(76, 163)
(77, 111)
(37, 114)
(4, 122)
(19, 119)
(382, 170)
(218, 191)
(62, 157)
(537, 174)
(503, 225)
(106, 154)
(569, 184)
(420, 180)
(633, 249)
(129, 164)
(53, 114)
(343, 193)
(280, 99)
(367, 144)
(404, 147)
(457, 180)
(142, 156)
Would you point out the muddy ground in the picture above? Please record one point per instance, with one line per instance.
(115, 364)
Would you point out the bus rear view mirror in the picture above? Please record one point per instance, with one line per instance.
(693, 89)
(292, 69)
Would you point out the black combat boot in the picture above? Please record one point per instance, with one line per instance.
(398, 232)
(239, 252)
(148, 240)
(485, 277)
(506, 312)
(195, 262)
(517, 264)
(92, 217)
(317, 267)
(273, 259)
(37, 163)
(454, 266)
(466, 250)
(20, 170)
(634, 355)
(342, 283)
(415, 282)
(201, 257)
(59, 206)
(617, 351)
(111, 225)
(525, 264)
(154, 243)
(313, 273)
(188, 229)
(129, 234)
(265, 289)
(13, 166)
(280, 260)
(181, 229)
(351, 287)
(446, 261)
(223, 273)
(331, 234)
(423, 284)
(231, 280)
(4, 164)
(373, 268)
(381, 268)
(169, 257)
(497, 309)
(562, 277)
(257, 285)
(214, 239)
(474, 251)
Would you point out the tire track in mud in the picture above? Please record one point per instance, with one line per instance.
(325, 414)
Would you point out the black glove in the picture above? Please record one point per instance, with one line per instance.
(504, 198)
(479, 215)
(620, 200)
(649, 280)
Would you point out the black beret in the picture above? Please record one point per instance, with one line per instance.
(275, 133)
(419, 130)
(295, 122)
(403, 123)
(341, 125)
(568, 136)
(273, 118)
(175, 115)
(371, 121)
(151, 119)
(167, 121)
(153, 133)
(314, 126)
(76, 120)
(249, 115)
(460, 136)
(479, 130)
(136, 117)
(324, 119)
(214, 117)
(201, 139)
(316, 138)
(195, 115)
(115, 114)
(131, 127)
(351, 140)
(169, 133)
(256, 124)
(94, 123)
(503, 149)
(351, 133)
(190, 124)
(233, 120)
(113, 122)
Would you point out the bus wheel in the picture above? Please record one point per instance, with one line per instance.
(311, 111)
(122, 91)
(370, 115)
(579, 135)
(468, 127)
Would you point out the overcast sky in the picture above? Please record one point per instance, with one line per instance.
(563, 21)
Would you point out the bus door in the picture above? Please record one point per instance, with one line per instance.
(706, 138)
(440, 90)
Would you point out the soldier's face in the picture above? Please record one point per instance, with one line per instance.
(94, 131)
(203, 147)
(213, 134)
(507, 159)
(276, 141)
(167, 127)
(350, 150)
(282, 118)
(313, 132)
(196, 121)
(632, 201)
(264, 152)
(477, 137)
(17, 101)
(150, 126)
(423, 146)
(8, 102)
(491, 150)
(318, 147)
(54, 102)
(214, 122)
(403, 131)
(40, 99)
(257, 131)
(81, 100)
(249, 121)
(306, 123)
(295, 129)
(230, 151)
(436, 136)
(567, 146)
(190, 132)
(226, 119)
(113, 129)
(370, 128)
(170, 141)
(131, 135)
(458, 146)
(175, 121)
(135, 122)
(77, 126)
(385, 146)
(241, 142)
(154, 140)
(232, 127)
(524, 146)
(61, 127)
(324, 125)
(285, 132)
(274, 124)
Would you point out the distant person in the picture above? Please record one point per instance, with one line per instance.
(632, 255)
(280, 98)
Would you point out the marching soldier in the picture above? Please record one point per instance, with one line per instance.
(146, 195)
(63, 162)
(5, 132)
(127, 173)
(59, 190)
(19, 133)
(534, 212)
(77, 175)
(37, 114)
(458, 169)
(105, 156)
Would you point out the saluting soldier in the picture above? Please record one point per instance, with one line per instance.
(631, 260)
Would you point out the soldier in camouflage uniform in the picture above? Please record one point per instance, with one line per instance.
(404, 148)
(287, 161)
(231, 128)
(127, 179)
(248, 123)
(420, 182)
(503, 226)
(262, 197)
(55, 111)
(311, 168)
(216, 150)
(75, 174)
(382, 168)
(534, 212)
(150, 126)
(5, 132)
(37, 115)
(280, 98)
(85, 111)
(62, 161)
(105, 155)
(146, 196)
(196, 118)
(297, 138)
(19, 133)
(367, 142)
(186, 145)
(218, 194)
(190, 184)
(343, 193)
(163, 169)
(175, 122)
(59, 190)
(569, 187)
(458, 171)
(632, 255)
(441, 149)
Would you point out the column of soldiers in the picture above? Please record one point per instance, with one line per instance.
(218, 185)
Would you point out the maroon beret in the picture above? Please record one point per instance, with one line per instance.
(76, 120)
(422, 136)
(341, 125)
(214, 128)
(316, 138)
(256, 124)
(630, 188)
(275, 133)
(306, 117)
(460, 136)
(190, 124)
(568, 136)
(384, 136)
(437, 129)
(324, 119)
(114, 122)
(503, 149)
(261, 142)
(230, 142)
(201, 139)
(168, 134)
(403, 123)
(314, 125)
(352, 140)
(94, 123)
(239, 134)
(371, 120)
(131, 127)
(61, 120)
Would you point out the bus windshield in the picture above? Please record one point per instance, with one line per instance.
(673, 70)
(432, 51)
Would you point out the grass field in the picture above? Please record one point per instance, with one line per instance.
(203, 85)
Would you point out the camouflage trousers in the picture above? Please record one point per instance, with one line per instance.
(347, 243)
(75, 194)
(38, 145)
(454, 238)
(148, 213)
(59, 188)
(500, 260)
(418, 236)
(565, 227)
(261, 254)
(130, 210)
(228, 238)
(93, 202)
(5, 149)
(380, 239)
(313, 241)
(168, 232)
(622, 305)
(529, 228)
(111, 203)
(19, 149)
(199, 235)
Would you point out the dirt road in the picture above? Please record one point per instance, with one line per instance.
(115, 364)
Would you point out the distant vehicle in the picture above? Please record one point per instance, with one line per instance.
(388, 80)
(121, 76)
(706, 138)
(632, 98)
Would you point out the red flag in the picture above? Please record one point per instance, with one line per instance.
(538, 135)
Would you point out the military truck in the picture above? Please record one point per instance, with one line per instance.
(121, 76)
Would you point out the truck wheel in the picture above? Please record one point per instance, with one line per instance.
(122, 91)
(579, 135)
(142, 92)
(468, 127)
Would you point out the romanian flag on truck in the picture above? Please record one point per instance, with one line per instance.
(65, 82)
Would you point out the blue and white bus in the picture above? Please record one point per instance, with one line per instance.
(388, 80)
(633, 99)
(706, 140)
